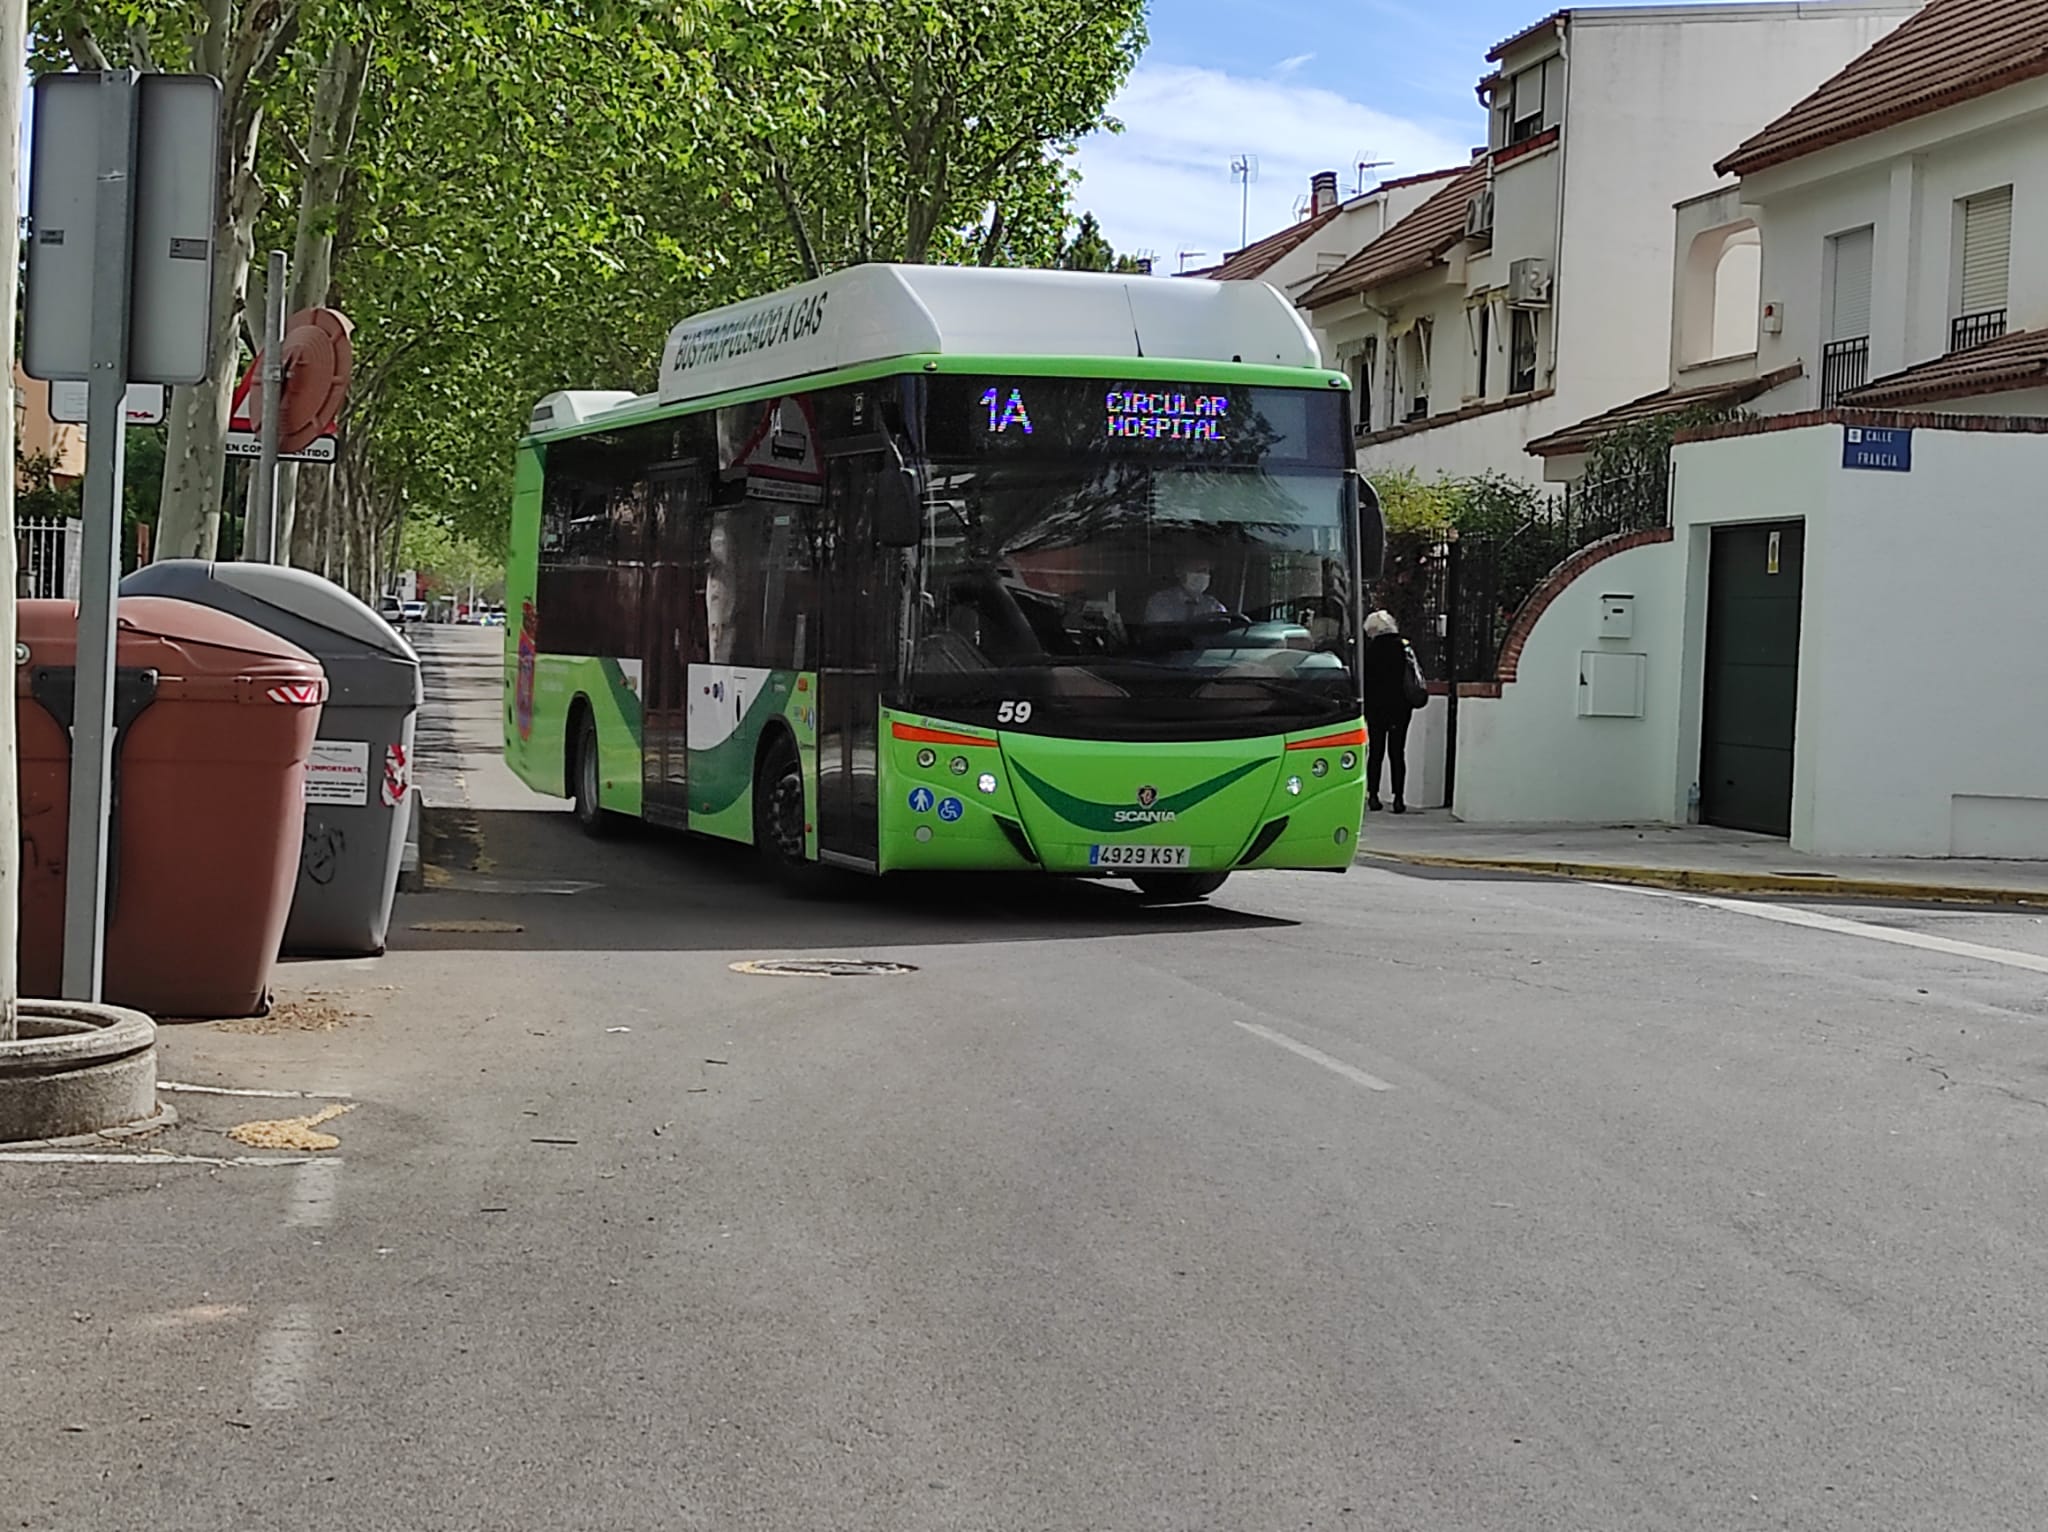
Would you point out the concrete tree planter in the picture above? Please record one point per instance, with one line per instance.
(76, 1069)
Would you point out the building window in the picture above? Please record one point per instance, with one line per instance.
(1413, 402)
(1482, 345)
(1845, 357)
(1362, 367)
(1985, 268)
(1522, 364)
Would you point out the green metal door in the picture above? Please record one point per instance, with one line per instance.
(1752, 694)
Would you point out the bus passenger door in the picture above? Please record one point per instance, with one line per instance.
(667, 640)
(856, 610)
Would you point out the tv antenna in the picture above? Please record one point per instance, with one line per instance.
(1367, 163)
(1245, 168)
(1188, 255)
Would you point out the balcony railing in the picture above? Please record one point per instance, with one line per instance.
(1976, 329)
(1844, 365)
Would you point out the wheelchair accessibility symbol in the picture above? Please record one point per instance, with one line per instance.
(950, 809)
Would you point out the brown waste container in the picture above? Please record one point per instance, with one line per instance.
(217, 718)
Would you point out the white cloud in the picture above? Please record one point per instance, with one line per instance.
(1164, 183)
(1288, 66)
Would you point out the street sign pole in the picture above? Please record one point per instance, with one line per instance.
(259, 537)
(92, 728)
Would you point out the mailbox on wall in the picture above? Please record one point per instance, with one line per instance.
(1617, 616)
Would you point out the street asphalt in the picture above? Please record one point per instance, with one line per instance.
(1412, 1199)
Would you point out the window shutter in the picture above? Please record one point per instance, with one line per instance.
(1851, 312)
(1987, 251)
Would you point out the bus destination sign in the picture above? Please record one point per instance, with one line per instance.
(1123, 414)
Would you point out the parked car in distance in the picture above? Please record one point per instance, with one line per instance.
(494, 618)
(415, 611)
(392, 611)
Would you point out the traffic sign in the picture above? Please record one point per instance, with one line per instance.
(318, 360)
(145, 404)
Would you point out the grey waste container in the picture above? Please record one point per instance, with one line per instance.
(359, 781)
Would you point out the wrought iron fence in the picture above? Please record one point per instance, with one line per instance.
(1973, 330)
(1413, 589)
(46, 551)
(1844, 365)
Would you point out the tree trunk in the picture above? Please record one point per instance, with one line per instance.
(195, 456)
(236, 48)
(336, 106)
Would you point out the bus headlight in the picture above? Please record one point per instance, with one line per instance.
(1348, 760)
(1321, 768)
(927, 759)
(988, 782)
(1294, 786)
(959, 765)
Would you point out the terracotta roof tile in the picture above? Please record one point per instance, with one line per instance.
(1668, 401)
(1501, 50)
(1257, 258)
(1414, 244)
(1953, 51)
(2017, 361)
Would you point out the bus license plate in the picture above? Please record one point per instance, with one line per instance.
(1137, 856)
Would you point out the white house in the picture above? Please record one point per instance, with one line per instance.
(1533, 289)
(1838, 637)
(1331, 228)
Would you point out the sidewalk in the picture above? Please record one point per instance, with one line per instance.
(1696, 857)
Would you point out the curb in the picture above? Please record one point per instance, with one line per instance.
(410, 879)
(1702, 880)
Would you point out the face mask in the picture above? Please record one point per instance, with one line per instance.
(1196, 580)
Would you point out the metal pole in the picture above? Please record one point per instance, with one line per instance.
(259, 538)
(92, 721)
(13, 45)
(1451, 576)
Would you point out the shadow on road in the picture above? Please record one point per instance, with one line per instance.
(646, 890)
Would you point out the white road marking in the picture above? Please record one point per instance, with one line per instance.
(90, 1157)
(285, 1356)
(235, 1090)
(1316, 1056)
(312, 1198)
(1813, 920)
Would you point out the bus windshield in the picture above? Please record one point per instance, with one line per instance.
(1156, 587)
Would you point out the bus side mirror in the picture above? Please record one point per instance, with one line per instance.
(1369, 525)
(899, 508)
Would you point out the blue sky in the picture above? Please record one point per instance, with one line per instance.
(1304, 85)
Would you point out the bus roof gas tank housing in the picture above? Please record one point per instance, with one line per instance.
(875, 313)
(572, 407)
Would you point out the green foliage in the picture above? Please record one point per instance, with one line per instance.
(447, 560)
(1411, 506)
(535, 193)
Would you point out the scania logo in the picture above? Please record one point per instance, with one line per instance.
(1145, 813)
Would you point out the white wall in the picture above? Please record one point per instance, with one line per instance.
(1527, 757)
(1922, 668)
(1652, 106)
(1905, 184)
(1492, 443)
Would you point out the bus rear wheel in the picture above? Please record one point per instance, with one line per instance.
(779, 833)
(1179, 887)
(586, 775)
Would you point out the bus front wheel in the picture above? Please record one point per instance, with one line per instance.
(1178, 887)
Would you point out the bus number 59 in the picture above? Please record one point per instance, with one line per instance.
(1013, 712)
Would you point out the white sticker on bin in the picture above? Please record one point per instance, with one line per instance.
(338, 771)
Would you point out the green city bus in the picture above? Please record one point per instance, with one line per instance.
(928, 568)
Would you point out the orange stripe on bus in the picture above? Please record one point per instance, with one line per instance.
(1330, 741)
(918, 736)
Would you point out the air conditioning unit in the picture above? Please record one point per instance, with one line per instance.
(1479, 215)
(1529, 284)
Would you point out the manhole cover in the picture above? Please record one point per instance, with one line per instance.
(823, 968)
